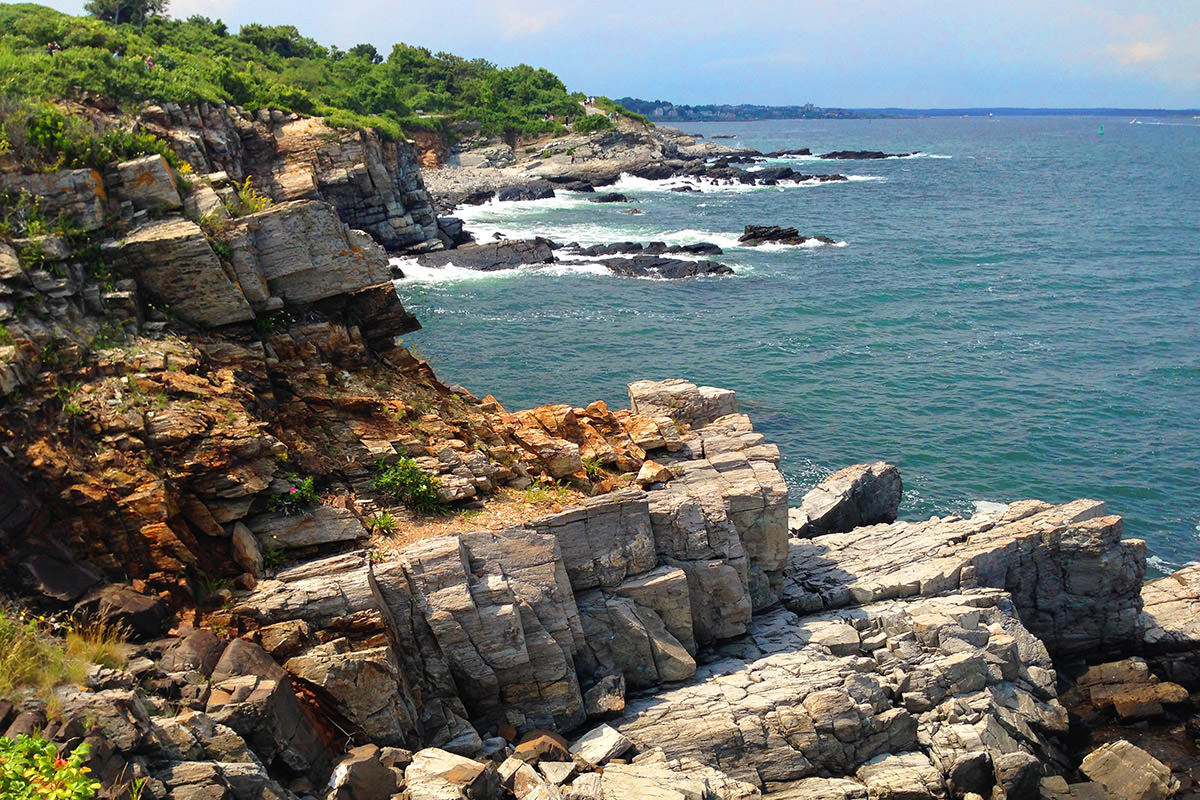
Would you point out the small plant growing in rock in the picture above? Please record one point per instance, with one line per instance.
(301, 494)
(31, 767)
(385, 524)
(273, 558)
(406, 482)
(593, 469)
(247, 200)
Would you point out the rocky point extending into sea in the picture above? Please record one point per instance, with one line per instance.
(617, 603)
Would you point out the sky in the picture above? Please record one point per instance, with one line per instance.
(833, 53)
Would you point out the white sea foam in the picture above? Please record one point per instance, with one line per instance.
(414, 273)
(729, 241)
(631, 183)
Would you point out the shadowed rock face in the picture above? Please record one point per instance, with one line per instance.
(1073, 580)
(865, 494)
(374, 184)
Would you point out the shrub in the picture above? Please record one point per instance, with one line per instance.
(592, 123)
(406, 482)
(30, 767)
(385, 524)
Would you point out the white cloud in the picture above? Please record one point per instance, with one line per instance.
(519, 20)
(1140, 52)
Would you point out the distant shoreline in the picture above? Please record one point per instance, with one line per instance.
(669, 113)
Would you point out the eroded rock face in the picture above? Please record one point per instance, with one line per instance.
(681, 400)
(1129, 773)
(302, 252)
(374, 184)
(1171, 627)
(826, 694)
(1074, 581)
(864, 494)
(173, 261)
(77, 195)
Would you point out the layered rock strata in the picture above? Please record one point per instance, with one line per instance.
(374, 183)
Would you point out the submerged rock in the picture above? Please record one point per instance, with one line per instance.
(862, 155)
(756, 235)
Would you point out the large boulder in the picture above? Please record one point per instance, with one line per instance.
(149, 183)
(172, 260)
(1074, 581)
(301, 252)
(504, 254)
(864, 494)
(1128, 772)
(681, 400)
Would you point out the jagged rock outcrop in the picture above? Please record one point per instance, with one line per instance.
(504, 254)
(1075, 582)
(76, 195)
(958, 677)
(1171, 626)
(864, 494)
(301, 252)
(375, 184)
(681, 400)
(172, 260)
(509, 626)
(756, 235)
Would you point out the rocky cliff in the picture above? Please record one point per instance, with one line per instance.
(374, 183)
(200, 418)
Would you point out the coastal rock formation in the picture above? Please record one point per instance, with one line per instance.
(1074, 581)
(862, 155)
(513, 253)
(374, 183)
(756, 235)
(504, 254)
(826, 694)
(1171, 627)
(864, 494)
(522, 618)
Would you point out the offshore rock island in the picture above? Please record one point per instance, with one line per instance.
(341, 577)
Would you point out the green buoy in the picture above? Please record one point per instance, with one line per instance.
(1101, 130)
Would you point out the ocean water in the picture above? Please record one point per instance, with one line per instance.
(1013, 313)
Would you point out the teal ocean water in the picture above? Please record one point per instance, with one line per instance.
(1014, 313)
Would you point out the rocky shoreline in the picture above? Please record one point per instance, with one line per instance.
(610, 604)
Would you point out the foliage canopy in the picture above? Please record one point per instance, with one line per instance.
(199, 60)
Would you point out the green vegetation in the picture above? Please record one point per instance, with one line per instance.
(593, 469)
(617, 108)
(247, 200)
(592, 123)
(303, 493)
(33, 659)
(261, 66)
(30, 767)
(406, 482)
(34, 131)
(384, 524)
(546, 492)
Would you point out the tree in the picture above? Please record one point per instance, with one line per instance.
(122, 11)
(366, 51)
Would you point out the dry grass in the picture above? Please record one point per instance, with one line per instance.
(507, 508)
(34, 660)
